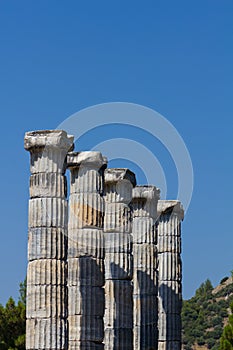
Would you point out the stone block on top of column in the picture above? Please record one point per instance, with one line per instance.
(87, 172)
(48, 150)
(144, 201)
(170, 207)
(119, 183)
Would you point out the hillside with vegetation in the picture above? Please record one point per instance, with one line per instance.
(205, 315)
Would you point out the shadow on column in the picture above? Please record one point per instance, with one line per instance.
(93, 305)
(171, 303)
(148, 311)
(123, 322)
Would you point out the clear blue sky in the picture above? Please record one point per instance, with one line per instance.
(176, 57)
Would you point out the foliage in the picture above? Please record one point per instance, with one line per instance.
(12, 322)
(203, 316)
(226, 341)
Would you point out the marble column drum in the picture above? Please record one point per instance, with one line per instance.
(145, 303)
(86, 250)
(46, 309)
(171, 214)
(118, 319)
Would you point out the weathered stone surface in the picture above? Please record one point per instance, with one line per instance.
(47, 243)
(144, 230)
(170, 297)
(86, 180)
(85, 345)
(145, 309)
(118, 304)
(38, 337)
(86, 210)
(146, 337)
(85, 271)
(169, 267)
(86, 242)
(116, 175)
(118, 338)
(46, 272)
(171, 207)
(46, 301)
(118, 266)
(169, 327)
(119, 191)
(170, 273)
(145, 282)
(47, 212)
(86, 249)
(117, 218)
(145, 303)
(48, 185)
(48, 150)
(46, 310)
(145, 256)
(144, 201)
(88, 301)
(86, 160)
(169, 244)
(116, 242)
(169, 345)
(86, 328)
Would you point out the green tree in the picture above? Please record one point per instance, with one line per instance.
(12, 322)
(226, 341)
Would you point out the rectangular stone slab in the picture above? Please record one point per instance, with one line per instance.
(47, 272)
(86, 242)
(87, 328)
(47, 212)
(86, 301)
(38, 337)
(48, 185)
(118, 304)
(117, 218)
(118, 266)
(46, 301)
(86, 210)
(47, 243)
(85, 271)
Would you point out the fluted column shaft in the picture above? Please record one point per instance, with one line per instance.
(46, 325)
(144, 204)
(170, 274)
(118, 319)
(86, 251)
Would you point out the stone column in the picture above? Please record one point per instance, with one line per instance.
(118, 319)
(144, 204)
(169, 272)
(86, 251)
(46, 325)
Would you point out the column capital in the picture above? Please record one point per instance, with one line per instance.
(171, 206)
(148, 193)
(89, 159)
(48, 138)
(115, 175)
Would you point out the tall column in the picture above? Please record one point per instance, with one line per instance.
(118, 319)
(169, 271)
(46, 325)
(86, 251)
(144, 204)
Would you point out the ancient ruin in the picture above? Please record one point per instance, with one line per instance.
(104, 266)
